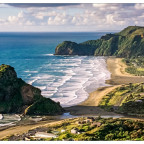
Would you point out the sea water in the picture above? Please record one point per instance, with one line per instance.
(67, 79)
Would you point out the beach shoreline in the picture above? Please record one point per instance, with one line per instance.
(88, 107)
(118, 77)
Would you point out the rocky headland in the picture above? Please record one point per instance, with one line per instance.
(127, 43)
(16, 96)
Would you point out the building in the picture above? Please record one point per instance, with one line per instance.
(74, 130)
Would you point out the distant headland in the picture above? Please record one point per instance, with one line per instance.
(127, 43)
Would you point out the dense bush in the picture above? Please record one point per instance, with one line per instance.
(127, 43)
(111, 129)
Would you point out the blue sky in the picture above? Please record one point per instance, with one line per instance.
(69, 17)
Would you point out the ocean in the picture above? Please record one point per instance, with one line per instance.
(67, 79)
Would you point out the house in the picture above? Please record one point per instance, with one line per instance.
(62, 130)
(74, 130)
(45, 135)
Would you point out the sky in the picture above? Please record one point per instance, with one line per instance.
(69, 17)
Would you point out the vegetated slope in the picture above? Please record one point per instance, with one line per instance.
(135, 66)
(87, 129)
(127, 43)
(128, 99)
(16, 96)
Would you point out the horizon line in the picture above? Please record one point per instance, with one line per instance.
(56, 31)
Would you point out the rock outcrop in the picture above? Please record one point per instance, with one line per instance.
(16, 96)
(127, 43)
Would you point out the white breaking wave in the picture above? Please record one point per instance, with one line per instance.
(70, 79)
(1, 116)
(31, 71)
(47, 54)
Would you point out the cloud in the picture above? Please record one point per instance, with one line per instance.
(105, 6)
(86, 17)
(27, 5)
(40, 15)
(3, 5)
(139, 6)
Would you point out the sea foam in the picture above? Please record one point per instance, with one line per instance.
(69, 80)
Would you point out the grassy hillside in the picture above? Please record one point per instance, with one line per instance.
(135, 66)
(127, 43)
(128, 99)
(135, 30)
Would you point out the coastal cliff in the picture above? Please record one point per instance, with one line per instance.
(127, 43)
(16, 96)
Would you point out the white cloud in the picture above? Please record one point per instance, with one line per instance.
(3, 5)
(110, 19)
(105, 7)
(29, 23)
(20, 15)
(58, 19)
(13, 19)
(84, 16)
(139, 6)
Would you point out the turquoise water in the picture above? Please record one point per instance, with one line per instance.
(67, 79)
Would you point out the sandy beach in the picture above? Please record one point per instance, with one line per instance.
(118, 77)
(118, 74)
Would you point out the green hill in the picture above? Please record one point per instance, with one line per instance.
(127, 99)
(127, 43)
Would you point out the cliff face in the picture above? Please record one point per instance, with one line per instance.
(72, 48)
(127, 43)
(16, 96)
(67, 48)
